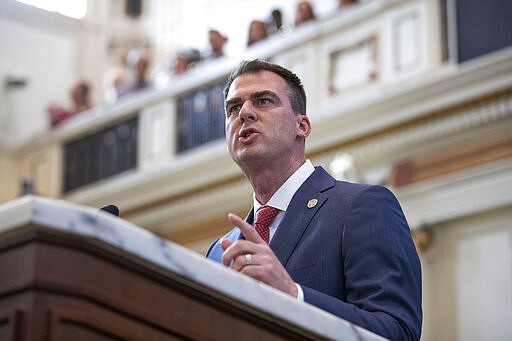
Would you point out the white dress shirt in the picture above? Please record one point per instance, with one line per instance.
(281, 199)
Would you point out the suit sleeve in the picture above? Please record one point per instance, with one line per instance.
(381, 269)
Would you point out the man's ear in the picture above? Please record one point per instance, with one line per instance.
(303, 126)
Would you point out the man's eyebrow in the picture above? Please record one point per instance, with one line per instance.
(265, 93)
(232, 100)
(254, 96)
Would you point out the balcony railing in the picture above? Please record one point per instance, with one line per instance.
(345, 62)
(200, 116)
(100, 155)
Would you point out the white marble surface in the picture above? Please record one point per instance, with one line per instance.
(89, 222)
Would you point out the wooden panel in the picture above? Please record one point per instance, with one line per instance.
(77, 288)
(11, 325)
(93, 322)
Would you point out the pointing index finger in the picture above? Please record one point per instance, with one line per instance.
(247, 229)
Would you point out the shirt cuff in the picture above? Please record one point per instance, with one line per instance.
(300, 293)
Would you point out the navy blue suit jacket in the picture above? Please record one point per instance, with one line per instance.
(352, 254)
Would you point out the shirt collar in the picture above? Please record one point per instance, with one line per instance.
(282, 197)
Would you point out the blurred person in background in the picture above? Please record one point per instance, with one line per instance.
(304, 13)
(275, 23)
(138, 63)
(347, 3)
(185, 60)
(216, 41)
(80, 101)
(257, 32)
(80, 98)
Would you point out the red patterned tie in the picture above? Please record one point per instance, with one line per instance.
(264, 217)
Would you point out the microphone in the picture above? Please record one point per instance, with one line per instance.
(112, 209)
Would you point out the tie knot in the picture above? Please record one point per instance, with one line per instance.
(265, 215)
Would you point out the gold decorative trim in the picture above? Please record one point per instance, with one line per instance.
(430, 127)
(455, 158)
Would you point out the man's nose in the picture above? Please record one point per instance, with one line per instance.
(247, 112)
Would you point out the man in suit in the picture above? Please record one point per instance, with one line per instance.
(343, 247)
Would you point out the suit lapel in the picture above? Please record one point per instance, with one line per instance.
(298, 215)
(250, 219)
(236, 233)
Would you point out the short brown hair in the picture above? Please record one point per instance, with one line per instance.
(296, 91)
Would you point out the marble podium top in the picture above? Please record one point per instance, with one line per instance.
(89, 222)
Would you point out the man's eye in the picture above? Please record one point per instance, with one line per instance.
(233, 109)
(263, 101)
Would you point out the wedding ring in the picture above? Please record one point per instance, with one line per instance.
(248, 259)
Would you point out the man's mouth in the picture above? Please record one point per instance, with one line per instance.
(245, 134)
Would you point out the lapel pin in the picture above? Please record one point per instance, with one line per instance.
(312, 203)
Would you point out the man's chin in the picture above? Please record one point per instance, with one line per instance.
(247, 157)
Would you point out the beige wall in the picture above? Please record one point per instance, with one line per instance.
(467, 279)
(9, 176)
(39, 46)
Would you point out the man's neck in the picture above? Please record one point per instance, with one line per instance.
(266, 181)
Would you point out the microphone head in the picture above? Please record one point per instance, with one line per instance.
(112, 209)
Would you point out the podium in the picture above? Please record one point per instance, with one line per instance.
(69, 272)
